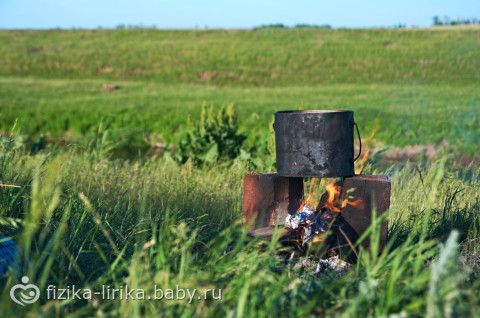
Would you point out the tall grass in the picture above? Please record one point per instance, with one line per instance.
(87, 221)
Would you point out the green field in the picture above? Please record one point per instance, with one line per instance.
(268, 57)
(85, 215)
(402, 114)
(414, 86)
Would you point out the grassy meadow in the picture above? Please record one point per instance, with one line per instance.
(86, 214)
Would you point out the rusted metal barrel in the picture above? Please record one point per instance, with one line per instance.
(268, 198)
(314, 143)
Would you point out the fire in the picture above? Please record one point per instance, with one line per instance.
(334, 202)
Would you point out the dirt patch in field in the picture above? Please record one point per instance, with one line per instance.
(390, 45)
(425, 62)
(410, 153)
(104, 70)
(40, 50)
(466, 160)
(418, 152)
(36, 49)
(207, 76)
(109, 87)
(428, 152)
(157, 148)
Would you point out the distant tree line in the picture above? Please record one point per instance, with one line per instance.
(134, 26)
(437, 21)
(458, 21)
(296, 26)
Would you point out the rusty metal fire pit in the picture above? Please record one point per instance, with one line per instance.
(268, 198)
(315, 144)
(375, 193)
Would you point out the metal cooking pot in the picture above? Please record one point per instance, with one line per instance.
(314, 143)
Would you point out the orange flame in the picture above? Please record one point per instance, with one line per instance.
(334, 202)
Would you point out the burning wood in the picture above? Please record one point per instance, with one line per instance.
(334, 227)
(315, 223)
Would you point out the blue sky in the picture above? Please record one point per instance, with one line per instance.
(227, 13)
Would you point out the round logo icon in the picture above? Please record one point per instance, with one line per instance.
(24, 294)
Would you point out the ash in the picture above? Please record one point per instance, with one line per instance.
(313, 229)
(332, 266)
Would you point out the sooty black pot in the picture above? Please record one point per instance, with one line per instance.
(314, 143)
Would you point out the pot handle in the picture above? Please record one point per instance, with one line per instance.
(359, 142)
